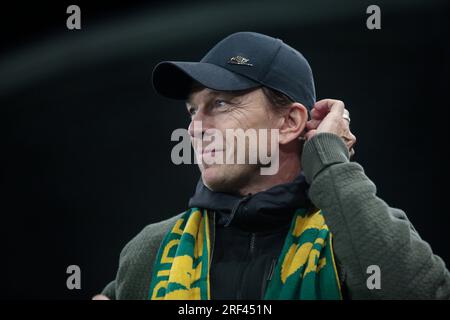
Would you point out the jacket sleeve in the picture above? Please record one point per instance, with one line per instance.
(367, 231)
(110, 290)
(135, 265)
(136, 261)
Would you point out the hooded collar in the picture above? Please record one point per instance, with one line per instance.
(265, 210)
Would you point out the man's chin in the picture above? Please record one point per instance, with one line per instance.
(225, 178)
(220, 178)
(213, 178)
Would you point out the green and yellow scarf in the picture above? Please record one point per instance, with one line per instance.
(305, 268)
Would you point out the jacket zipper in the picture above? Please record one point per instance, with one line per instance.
(236, 207)
(252, 239)
(252, 243)
(267, 278)
(250, 255)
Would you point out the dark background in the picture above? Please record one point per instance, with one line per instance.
(86, 141)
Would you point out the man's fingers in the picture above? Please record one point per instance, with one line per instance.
(100, 297)
(312, 124)
(352, 152)
(310, 133)
(337, 108)
(318, 114)
(330, 115)
(349, 139)
(320, 111)
(346, 113)
(352, 139)
(323, 107)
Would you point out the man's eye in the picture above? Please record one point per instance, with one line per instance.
(191, 111)
(220, 103)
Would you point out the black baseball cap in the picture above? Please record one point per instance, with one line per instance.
(241, 61)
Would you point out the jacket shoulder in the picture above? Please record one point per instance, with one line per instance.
(149, 237)
(137, 259)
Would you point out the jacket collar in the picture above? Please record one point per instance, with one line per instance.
(261, 211)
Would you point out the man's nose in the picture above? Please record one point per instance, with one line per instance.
(195, 128)
(199, 124)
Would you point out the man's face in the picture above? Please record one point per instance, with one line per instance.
(219, 110)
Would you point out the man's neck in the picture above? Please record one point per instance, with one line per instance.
(289, 168)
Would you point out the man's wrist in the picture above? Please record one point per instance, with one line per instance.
(321, 151)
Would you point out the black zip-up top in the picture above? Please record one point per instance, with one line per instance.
(249, 233)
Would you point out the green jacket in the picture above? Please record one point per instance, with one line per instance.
(366, 232)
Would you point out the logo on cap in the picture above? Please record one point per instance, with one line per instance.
(240, 60)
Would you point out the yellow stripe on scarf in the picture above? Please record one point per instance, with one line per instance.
(180, 255)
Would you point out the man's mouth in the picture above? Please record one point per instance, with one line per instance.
(209, 151)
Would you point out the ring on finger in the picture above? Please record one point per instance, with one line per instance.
(346, 117)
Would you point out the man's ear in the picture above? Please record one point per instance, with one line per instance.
(294, 123)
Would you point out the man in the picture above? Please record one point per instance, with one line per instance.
(314, 229)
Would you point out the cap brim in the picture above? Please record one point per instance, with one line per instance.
(173, 79)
